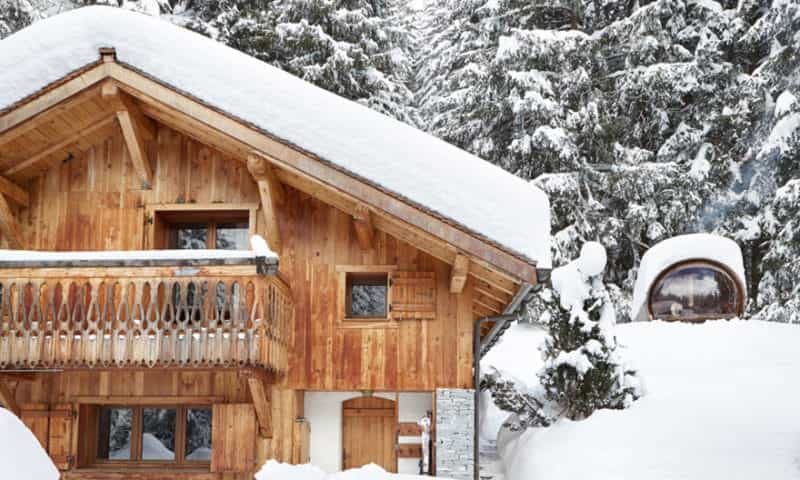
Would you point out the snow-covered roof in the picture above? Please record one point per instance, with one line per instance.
(406, 162)
(674, 250)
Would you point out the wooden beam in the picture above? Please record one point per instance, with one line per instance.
(262, 403)
(458, 273)
(261, 172)
(7, 398)
(365, 230)
(55, 148)
(135, 128)
(14, 192)
(261, 169)
(9, 226)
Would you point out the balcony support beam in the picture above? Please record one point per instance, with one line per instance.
(271, 192)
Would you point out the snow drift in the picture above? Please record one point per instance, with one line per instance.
(273, 470)
(721, 403)
(21, 455)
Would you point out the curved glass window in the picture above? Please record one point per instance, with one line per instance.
(695, 291)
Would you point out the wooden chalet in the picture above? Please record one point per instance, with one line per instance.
(124, 141)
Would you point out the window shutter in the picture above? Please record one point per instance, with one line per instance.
(37, 419)
(413, 295)
(59, 444)
(233, 437)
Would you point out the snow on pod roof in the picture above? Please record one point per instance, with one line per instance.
(412, 165)
(674, 250)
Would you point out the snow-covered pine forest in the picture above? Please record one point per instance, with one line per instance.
(641, 119)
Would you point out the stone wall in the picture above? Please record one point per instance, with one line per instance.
(455, 436)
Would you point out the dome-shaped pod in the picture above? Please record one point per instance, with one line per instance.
(695, 290)
(716, 259)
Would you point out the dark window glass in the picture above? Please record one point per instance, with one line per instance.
(695, 292)
(158, 433)
(366, 295)
(233, 236)
(198, 434)
(188, 237)
(114, 433)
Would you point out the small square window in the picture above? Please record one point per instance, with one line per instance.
(367, 295)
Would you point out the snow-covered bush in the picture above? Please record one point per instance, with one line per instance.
(582, 371)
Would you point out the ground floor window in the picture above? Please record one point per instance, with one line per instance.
(153, 434)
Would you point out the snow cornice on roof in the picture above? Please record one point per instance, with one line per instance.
(413, 167)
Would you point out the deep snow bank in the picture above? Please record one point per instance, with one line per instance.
(273, 470)
(721, 402)
(21, 455)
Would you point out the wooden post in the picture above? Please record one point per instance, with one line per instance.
(262, 401)
(271, 192)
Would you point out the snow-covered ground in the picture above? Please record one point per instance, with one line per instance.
(722, 401)
(273, 470)
(21, 455)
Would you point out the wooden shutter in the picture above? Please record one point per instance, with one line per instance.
(36, 417)
(413, 295)
(233, 433)
(59, 444)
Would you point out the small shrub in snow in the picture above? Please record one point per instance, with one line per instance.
(583, 371)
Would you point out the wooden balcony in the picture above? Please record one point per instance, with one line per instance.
(162, 314)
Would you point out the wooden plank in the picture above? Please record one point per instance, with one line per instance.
(34, 160)
(135, 128)
(458, 274)
(14, 192)
(261, 395)
(128, 272)
(268, 190)
(9, 226)
(148, 400)
(365, 230)
(59, 442)
(233, 435)
(409, 450)
(409, 429)
(8, 399)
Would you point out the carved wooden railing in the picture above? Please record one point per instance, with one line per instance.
(142, 318)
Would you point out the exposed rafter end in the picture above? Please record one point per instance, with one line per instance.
(271, 192)
(458, 273)
(365, 230)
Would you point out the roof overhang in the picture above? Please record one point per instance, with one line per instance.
(398, 216)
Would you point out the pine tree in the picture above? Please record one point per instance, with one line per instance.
(583, 371)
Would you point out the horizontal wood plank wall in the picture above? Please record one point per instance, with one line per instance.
(95, 202)
(226, 386)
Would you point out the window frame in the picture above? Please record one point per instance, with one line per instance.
(137, 430)
(158, 218)
(698, 262)
(345, 318)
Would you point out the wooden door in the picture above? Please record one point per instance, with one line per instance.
(369, 426)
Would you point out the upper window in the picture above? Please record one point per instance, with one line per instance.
(213, 235)
(207, 226)
(153, 434)
(695, 291)
(367, 295)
